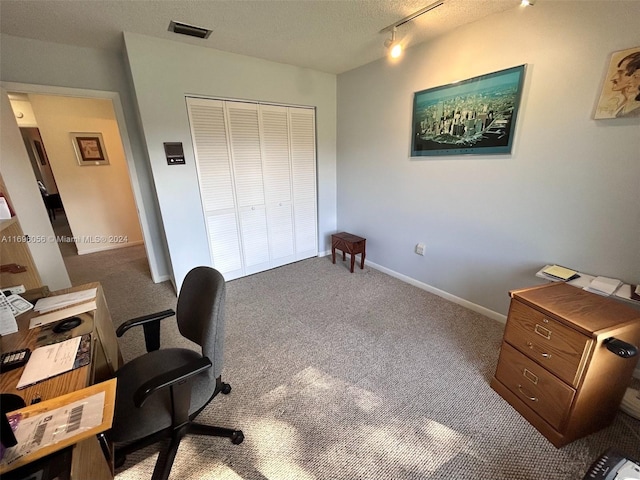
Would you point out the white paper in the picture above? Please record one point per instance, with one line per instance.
(55, 302)
(50, 360)
(603, 285)
(53, 426)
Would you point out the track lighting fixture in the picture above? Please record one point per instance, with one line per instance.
(395, 48)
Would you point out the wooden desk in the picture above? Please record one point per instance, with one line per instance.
(106, 359)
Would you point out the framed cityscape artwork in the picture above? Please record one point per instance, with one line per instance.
(471, 117)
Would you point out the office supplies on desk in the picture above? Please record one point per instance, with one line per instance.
(51, 360)
(15, 359)
(8, 322)
(54, 424)
(58, 307)
(18, 304)
(603, 286)
(56, 302)
(560, 273)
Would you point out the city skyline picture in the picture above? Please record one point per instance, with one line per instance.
(471, 117)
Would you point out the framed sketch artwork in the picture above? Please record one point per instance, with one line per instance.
(620, 95)
(89, 148)
(474, 116)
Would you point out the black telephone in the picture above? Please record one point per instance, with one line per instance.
(613, 465)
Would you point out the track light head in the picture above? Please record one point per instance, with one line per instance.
(395, 48)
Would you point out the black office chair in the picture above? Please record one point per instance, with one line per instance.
(160, 393)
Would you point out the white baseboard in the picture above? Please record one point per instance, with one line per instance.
(104, 248)
(441, 293)
(109, 247)
(460, 301)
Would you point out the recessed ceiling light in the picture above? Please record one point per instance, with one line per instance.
(190, 30)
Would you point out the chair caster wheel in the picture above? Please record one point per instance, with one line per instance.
(226, 388)
(237, 437)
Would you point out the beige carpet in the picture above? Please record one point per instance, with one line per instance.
(348, 376)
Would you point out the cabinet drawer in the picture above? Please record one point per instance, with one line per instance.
(557, 347)
(540, 390)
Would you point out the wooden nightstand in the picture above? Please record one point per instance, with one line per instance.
(554, 366)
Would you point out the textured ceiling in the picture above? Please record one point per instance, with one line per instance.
(331, 36)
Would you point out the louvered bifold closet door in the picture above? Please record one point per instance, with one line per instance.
(210, 140)
(244, 135)
(277, 183)
(303, 165)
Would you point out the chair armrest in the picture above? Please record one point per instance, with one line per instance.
(150, 324)
(135, 322)
(170, 378)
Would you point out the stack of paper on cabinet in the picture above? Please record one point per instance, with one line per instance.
(57, 307)
(603, 286)
(556, 272)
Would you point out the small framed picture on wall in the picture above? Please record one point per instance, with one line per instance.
(89, 148)
(620, 95)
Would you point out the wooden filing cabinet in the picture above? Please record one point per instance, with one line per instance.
(554, 367)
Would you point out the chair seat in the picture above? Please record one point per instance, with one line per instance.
(131, 423)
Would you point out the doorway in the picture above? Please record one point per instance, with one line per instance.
(91, 205)
(41, 167)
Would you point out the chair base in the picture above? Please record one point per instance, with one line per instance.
(166, 457)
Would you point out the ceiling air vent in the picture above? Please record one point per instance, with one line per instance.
(190, 30)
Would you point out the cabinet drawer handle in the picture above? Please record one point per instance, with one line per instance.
(544, 355)
(532, 377)
(533, 399)
(542, 331)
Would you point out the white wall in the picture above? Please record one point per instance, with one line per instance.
(163, 72)
(98, 200)
(63, 66)
(21, 184)
(569, 193)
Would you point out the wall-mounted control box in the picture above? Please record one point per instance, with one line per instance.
(174, 153)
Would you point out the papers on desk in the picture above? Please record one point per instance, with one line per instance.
(603, 286)
(53, 426)
(56, 302)
(57, 307)
(51, 360)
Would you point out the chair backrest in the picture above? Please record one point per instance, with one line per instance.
(200, 313)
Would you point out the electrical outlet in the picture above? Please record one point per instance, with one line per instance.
(420, 249)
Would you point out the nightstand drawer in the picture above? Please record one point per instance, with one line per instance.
(549, 397)
(557, 347)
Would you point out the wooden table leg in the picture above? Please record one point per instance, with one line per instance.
(333, 253)
(353, 259)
